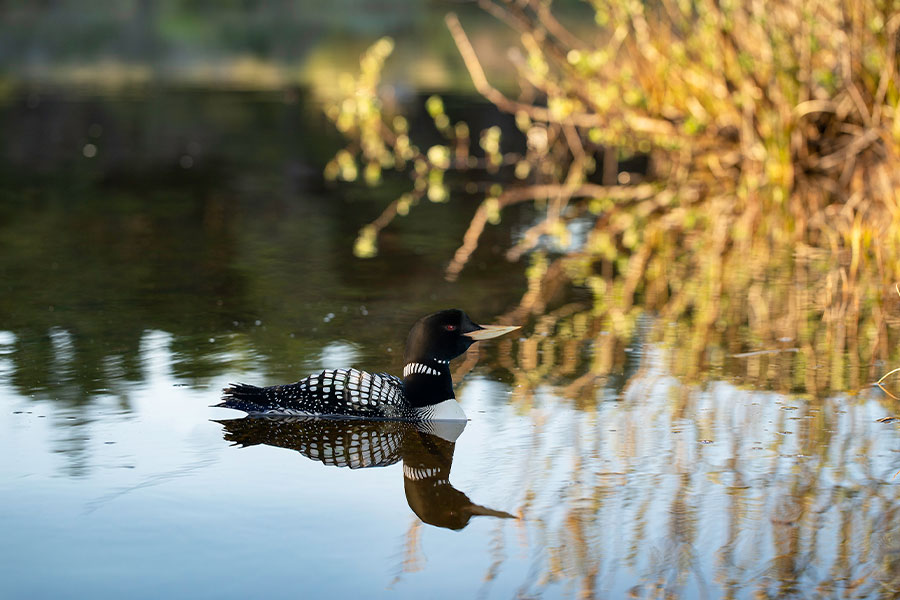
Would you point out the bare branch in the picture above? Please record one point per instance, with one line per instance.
(492, 94)
(524, 194)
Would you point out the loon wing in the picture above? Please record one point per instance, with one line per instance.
(353, 444)
(391, 379)
(333, 392)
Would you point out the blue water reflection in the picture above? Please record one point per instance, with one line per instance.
(134, 289)
(696, 492)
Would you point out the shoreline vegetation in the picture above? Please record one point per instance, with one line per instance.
(732, 168)
(256, 46)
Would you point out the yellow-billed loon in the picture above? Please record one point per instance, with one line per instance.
(424, 394)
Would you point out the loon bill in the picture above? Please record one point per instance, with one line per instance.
(425, 448)
(425, 393)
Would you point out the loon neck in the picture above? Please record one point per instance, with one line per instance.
(427, 381)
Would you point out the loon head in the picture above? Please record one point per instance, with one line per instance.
(444, 335)
(432, 343)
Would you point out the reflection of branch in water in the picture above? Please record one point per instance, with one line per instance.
(498, 556)
(813, 487)
(412, 559)
(883, 377)
(150, 481)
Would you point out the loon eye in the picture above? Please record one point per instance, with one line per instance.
(450, 327)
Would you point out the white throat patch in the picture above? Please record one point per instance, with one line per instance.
(419, 368)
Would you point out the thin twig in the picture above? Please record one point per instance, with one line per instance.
(389, 213)
(545, 15)
(883, 389)
(524, 194)
(856, 146)
(529, 240)
(883, 377)
(492, 94)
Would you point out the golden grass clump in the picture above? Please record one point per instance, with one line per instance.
(766, 217)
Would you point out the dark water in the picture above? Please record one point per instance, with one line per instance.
(154, 248)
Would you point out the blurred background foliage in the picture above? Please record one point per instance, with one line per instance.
(235, 44)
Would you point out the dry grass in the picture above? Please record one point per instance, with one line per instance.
(769, 215)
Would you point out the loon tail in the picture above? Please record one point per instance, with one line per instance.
(245, 397)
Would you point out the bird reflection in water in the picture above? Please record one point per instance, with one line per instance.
(426, 450)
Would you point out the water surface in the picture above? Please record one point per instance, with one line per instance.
(136, 283)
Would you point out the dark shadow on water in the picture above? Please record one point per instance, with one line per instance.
(201, 214)
(426, 450)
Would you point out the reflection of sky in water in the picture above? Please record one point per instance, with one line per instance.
(694, 490)
(7, 339)
(336, 355)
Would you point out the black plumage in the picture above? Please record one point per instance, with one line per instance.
(424, 393)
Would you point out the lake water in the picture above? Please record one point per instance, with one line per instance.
(155, 248)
